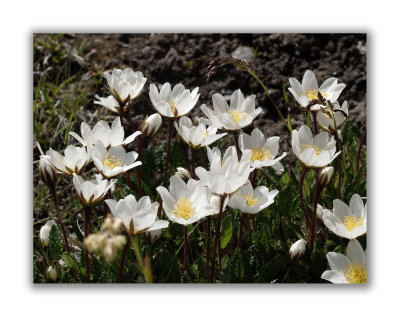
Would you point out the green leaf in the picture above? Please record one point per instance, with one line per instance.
(70, 261)
(237, 267)
(226, 231)
(55, 245)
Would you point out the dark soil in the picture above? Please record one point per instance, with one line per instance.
(182, 58)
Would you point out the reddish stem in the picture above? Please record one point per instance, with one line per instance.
(303, 205)
(122, 263)
(315, 208)
(217, 235)
(87, 212)
(59, 216)
(171, 123)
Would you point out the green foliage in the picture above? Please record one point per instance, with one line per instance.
(226, 231)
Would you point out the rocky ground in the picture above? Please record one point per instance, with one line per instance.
(182, 58)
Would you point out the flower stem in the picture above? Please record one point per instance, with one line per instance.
(122, 263)
(242, 220)
(315, 207)
(339, 160)
(139, 178)
(191, 161)
(203, 158)
(253, 183)
(236, 137)
(59, 216)
(208, 249)
(359, 151)
(87, 260)
(185, 254)
(314, 114)
(171, 124)
(217, 233)
(303, 206)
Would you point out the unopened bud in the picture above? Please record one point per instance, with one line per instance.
(152, 124)
(325, 176)
(52, 274)
(320, 213)
(297, 250)
(45, 233)
(183, 173)
(47, 172)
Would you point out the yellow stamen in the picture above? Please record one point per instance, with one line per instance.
(111, 161)
(317, 149)
(356, 273)
(313, 94)
(183, 209)
(260, 154)
(204, 132)
(351, 222)
(237, 115)
(250, 201)
(172, 104)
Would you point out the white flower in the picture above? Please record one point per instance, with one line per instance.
(93, 191)
(306, 93)
(126, 84)
(137, 216)
(183, 173)
(351, 268)
(152, 124)
(45, 232)
(153, 235)
(186, 203)
(238, 115)
(227, 174)
(251, 202)
(175, 103)
(47, 172)
(313, 152)
(113, 136)
(197, 136)
(345, 221)
(263, 151)
(332, 119)
(108, 102)
(74, 160)
(113, 162)
(297, 250)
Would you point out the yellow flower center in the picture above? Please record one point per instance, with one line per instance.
(317, 149)
(351, 222)
(260, 154)
(204, 132)
(356, 273)
(313, 94)
(237, 115)
(183, 209)
(112, 161)
(250, 201)
(172, 104)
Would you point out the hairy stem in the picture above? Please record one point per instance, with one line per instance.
(185, 254)
(171, 124)
(87, 224)
(59, 216)
(339, 160)
(314, 115)
(208, 249)
(315, 208)
(217, 233)
(122, 263)
(303, 205)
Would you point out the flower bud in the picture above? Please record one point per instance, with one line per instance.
(297, 250)
(320, 213)
(152, 124)
(47, 172)
(183, 173)
(52, 274)
(325, 176)
(45, 233)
